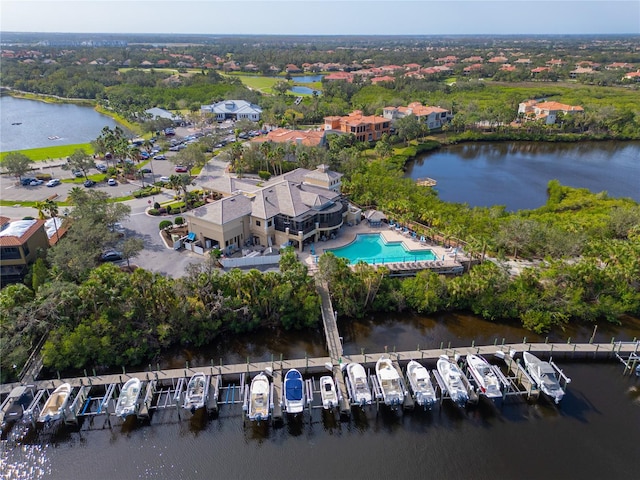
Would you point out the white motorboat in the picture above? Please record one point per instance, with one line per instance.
(56, 404)
(420, 383)
(452, 378)
(544, 375)
(196, 392)
(328, 392)
(359, 388)
(128, 400)
(259, 394)
(484, 376)
(389, 381)
(293, 392)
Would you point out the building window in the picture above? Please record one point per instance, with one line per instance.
(269, 223)
(25, 249)
(258, 223)
(10, 253)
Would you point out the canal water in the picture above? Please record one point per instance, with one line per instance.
(593, 434)
(32, 124)
(515, 174)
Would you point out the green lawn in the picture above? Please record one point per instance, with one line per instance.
(262, 84)
(47, 153)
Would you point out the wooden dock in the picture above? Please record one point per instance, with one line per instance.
(577, 351)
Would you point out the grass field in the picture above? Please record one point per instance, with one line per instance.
(47, 153)
(262, 84)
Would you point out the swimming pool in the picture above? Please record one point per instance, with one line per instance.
(372, 248)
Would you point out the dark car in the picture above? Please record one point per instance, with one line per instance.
(101, 167)
(89, 183)
(111, 256)
(27, 181)
(145, 170)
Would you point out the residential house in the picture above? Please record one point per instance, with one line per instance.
(291, 68)
(309, 138)
(433, 117)
(546, 111)
(299, 207)
(632, 76)
(383, 79)
(20, 242)
(366, 128)
(233, 110)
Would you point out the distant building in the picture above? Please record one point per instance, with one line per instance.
(20, 242)
(433, 117)
(547, 111)
(309, 138)
(233, 110)
(366, 128)
(156, 113)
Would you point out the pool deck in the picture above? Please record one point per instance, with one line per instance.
(448, 261)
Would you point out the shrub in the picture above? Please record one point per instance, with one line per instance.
(156, 206)
(169, 209)
(179, 220)
(264, 175)
(164, 224)
(154, 211)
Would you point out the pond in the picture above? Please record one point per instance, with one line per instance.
(34, 124)
(515, 174)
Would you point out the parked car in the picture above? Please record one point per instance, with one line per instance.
(111, 256)
(53, 182)
(164, 179)
(78, 174)
(175, 148)
(159, 157)
(101, 167)
(35, 182)
(26, 181)
(117, 228)
(89, 183)
(181, 169)
(145, 170)
(112, 182)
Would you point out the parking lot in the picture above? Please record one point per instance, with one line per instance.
(155, 257)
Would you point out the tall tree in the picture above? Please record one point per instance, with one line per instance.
(16, 164)
(80, 161)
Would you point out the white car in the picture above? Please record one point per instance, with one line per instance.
(53, 182)
(164, 179)
(112, 182)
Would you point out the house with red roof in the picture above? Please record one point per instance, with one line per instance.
(632, 76)
(432, 117)
(386, 78)
(366, 128)
(309, 138)
(546, 111)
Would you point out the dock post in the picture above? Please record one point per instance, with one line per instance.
(574, 349)
(441, 345)
(187, 365)
(157, 366)
(495, 341)
(58, 372)
(596, 352)
(94, 372)
(280, 361)
(473, 343)
(363, 355)
(247, 363)
(503, 341)
(552, 348)
(524, 340)
(568, 340)
(272, 361)
(449, 345)
(306, 358)
(85, 372)
(546, 340)
(124, 372)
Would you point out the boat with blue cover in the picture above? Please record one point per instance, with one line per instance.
(293, 392)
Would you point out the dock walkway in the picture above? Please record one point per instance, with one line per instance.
(576, 351)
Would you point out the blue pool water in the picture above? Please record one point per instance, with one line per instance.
(373, 249)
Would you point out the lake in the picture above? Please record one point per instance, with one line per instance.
(590, 435)
(515, 174)
(66, 124)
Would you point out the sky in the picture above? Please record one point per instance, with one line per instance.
(326, 17)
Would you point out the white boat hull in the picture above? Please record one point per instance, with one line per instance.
(259, 397)
(56, 405)
(293, 392)
(485, 378)
(359, 388)
(544, 376)
(390, 383)
(195, 397)
(452, 378)
(423, 392)
(328, 393)
(128, 399)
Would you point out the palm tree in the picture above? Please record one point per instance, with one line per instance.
(40, 206)
(51, 208)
